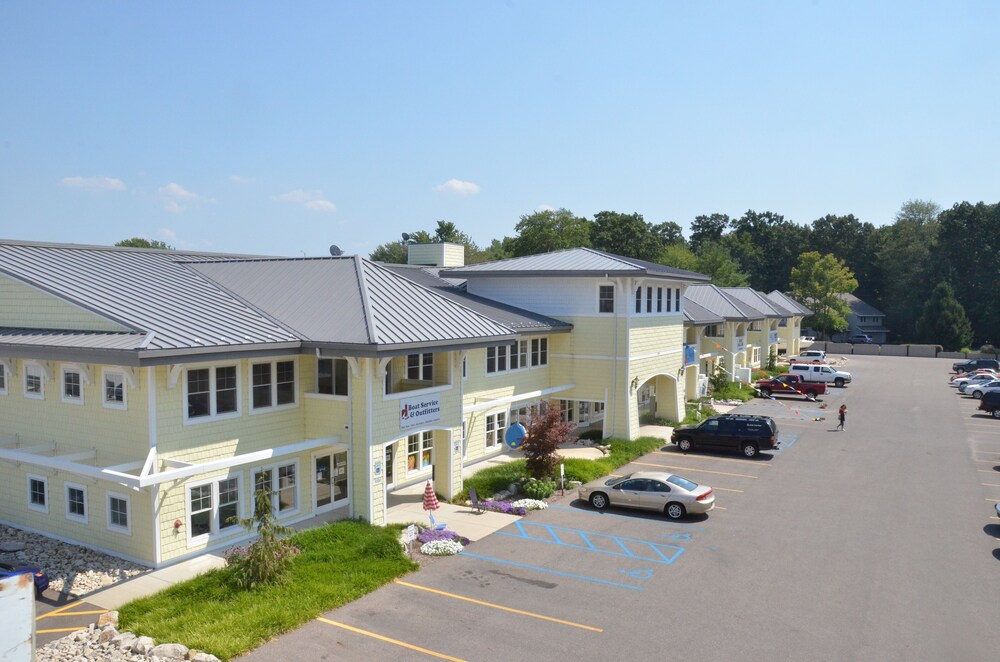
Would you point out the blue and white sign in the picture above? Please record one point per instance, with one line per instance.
(419, 411)
(514, 436)
(772, 338)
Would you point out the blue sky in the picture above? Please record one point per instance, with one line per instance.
(281, 128)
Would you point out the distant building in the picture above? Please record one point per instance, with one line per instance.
(864, 318)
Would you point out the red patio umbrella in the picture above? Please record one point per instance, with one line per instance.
(430, 499)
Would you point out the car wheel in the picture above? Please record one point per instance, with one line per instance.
(684, 445)
(674, 510)
(811, 394)
(995, 413)
(766, 392)
(750, 449)
(976, 395)
(599, 500)
(958, 371)
(838, 382)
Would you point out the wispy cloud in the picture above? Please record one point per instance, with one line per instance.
(545, 207)
(94, 183)
(168, 235)
(176, 198)
(311, 200)
(458, 186)
(240, 179)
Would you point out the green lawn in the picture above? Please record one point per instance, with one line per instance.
(339, 563)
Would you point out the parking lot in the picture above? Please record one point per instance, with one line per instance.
(878, 542)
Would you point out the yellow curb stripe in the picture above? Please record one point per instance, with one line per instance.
(993, 500)
(708, 457)
(391, 641)
(725, 489)
(56, 612)
(500, 607)
(88, 612)
(704, 471)
(990, 484)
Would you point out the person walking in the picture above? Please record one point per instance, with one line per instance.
(841, 416)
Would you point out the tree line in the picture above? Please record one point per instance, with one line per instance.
(931, 271)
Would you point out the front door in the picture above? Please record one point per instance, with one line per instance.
(330, 473)
(390, 480)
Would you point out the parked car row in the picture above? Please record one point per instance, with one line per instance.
(980, 383)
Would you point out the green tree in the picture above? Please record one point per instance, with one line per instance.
(708, 228)
(267, 558)
(766, 246)
(668, 233)
(395, 252)
(943, 321)
(969, 259)
(625, 234)
(715, 261)
(550, 230)
(546, 431)
(851, 241)
(818, 282)
(141, 242)
(679, 256)
(906, 265)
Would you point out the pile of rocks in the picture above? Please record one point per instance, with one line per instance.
(103, 642)
(71, 569)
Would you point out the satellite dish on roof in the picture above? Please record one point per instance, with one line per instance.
(335, 250)
(406, 236)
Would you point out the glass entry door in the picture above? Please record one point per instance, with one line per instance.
(390, 480)
(330, 473)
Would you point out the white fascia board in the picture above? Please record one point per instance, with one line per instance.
(47, 462)
(516, 398)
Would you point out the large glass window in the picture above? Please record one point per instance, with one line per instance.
(331, 376)
(281, 482)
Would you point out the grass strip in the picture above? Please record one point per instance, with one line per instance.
(338, 563)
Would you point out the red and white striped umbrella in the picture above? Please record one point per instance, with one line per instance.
(430, 499)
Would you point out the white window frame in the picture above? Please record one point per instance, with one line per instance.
(113, 404)
(417, 470)
(3, 378)
(71, 370)
(494, 431)
(424, 364)
(215, 521)
(274, 406)
(519, 356)
(85, 517)
(34, 370)
(542, 352)
(213, 402)
(117, 528)
(38, 507)
(601, 299)
(274, 468)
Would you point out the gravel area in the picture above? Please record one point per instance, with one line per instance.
(71, 569)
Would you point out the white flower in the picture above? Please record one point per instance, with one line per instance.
(529, 504)
(441, 547)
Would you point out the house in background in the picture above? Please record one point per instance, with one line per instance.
(864, 318)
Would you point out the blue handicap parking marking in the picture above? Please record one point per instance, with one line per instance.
(787, 440)
(603, 543)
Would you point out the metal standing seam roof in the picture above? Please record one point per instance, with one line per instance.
(515, 319)
(789, 303)
(715, 300)
(72, 339)
(697, 314)
(861, 307)
(755, 300)
(573, 262)
(143, 290)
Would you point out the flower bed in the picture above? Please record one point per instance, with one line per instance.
(441, 548)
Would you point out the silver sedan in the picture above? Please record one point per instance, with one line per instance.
(650, 490)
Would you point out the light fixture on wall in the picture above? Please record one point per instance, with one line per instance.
(635, 384)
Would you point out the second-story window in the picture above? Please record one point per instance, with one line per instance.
(72, 386)
(420, 367)
(273, 384)
(34, 383)
(539, 351)
(114, 389)
(212, 391)
(606, 299)
(331, 376)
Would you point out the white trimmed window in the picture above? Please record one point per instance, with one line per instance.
(34, 381)
(496, 359)
(659, 300)
(212, 392)
(539, 352)
(272, 384)
(419, 452)
(669, 300)
(677, 298)
(72, 386)
(568, 410)
(496, 425)
(119, 516)
(606, 299)
(3, 379)
(281, 482)
(420, 367)
(76, 502)
(38, 493)
(331, 376)
(115, 394)
(212, 507)
(519, 355)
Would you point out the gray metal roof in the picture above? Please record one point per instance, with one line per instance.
(754, 300)
(789, 303)
(860, 307)
(83, 339)
(695, 314)
(515, 319)
(573, 262)
(715, 300)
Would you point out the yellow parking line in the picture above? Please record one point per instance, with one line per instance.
(990, 484)
(707, 457)
(496, 606)
(88, 612)
(60, 610)
(985, 471)
(391, 641)
(718, 508)
(726, 489)
(704, 471)
(993, 500)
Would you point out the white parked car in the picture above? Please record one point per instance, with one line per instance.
(977, 380)
(977, 390)
(820, 373)
(957, 382)
(809, 356)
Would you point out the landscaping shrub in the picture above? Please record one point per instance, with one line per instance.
(539, 489)
(266, 559)
(592, 435)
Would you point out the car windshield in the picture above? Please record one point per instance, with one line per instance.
(614, 481)
(682, 482)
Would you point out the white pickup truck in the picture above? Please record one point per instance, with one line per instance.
(820, 373)
(809, 356)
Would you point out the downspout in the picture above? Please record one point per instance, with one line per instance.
(155, 492)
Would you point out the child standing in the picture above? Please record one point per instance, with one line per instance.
(841, 416)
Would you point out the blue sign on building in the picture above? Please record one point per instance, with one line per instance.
(690, 355)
